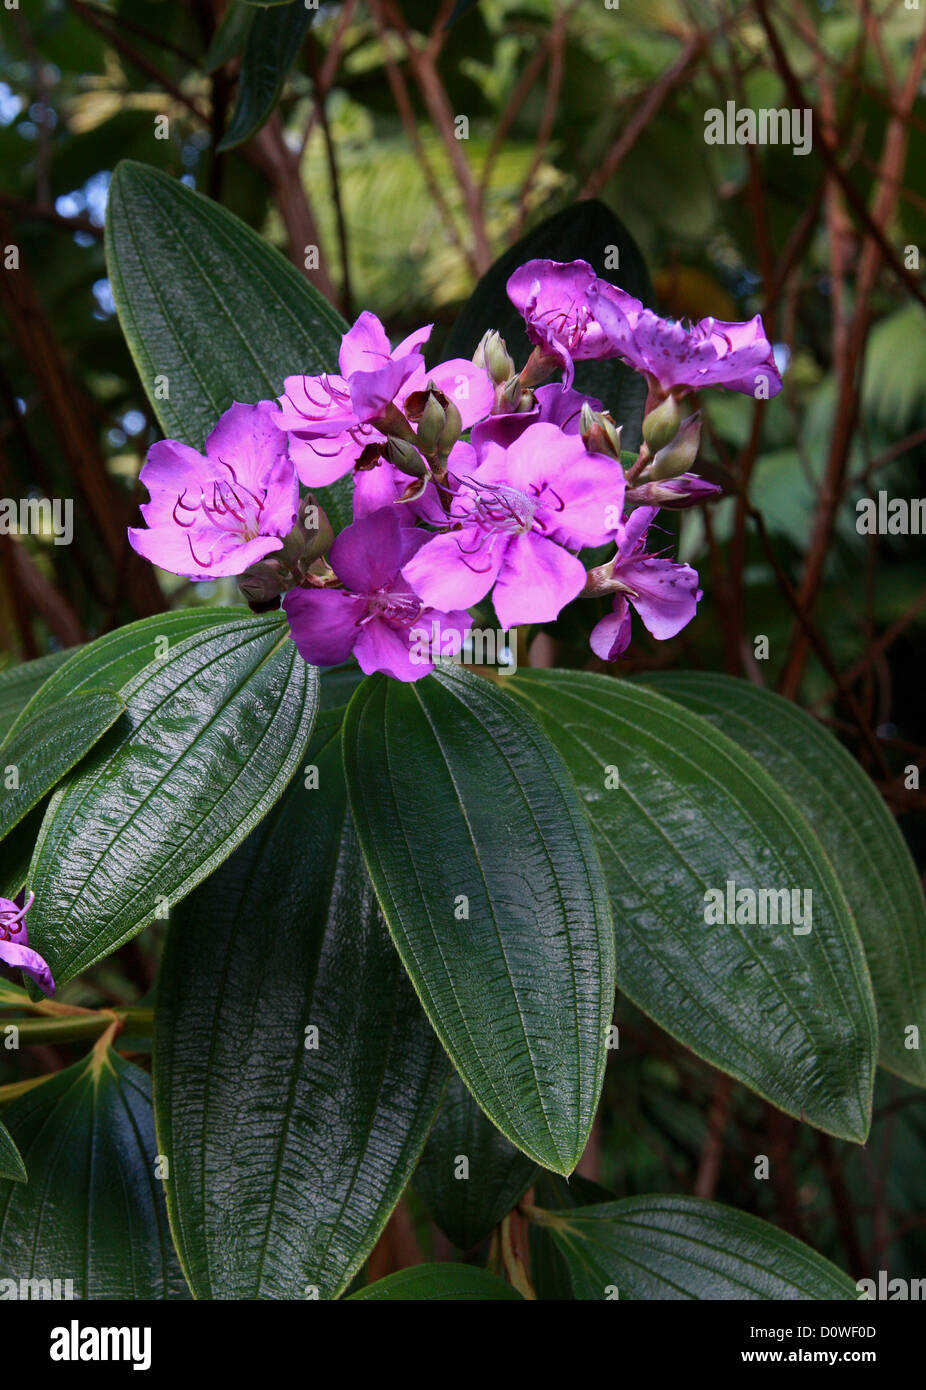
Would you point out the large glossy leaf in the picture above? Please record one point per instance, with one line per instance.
(485, 869)
(470, 1175)
(210, 308)
(678, 809)
(680, 1247)
(18, 684)
(437, 1281)
(586, 231)
(858, 833)
(212, 733)
(38, 751)
(11, 1164)
(93, 1210)
(270, 47)
(286, 1159)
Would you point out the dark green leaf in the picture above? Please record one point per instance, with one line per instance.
(92, 1210)
(207, 305)
(286, 1160)
(677, 1247)
(791, 1015)
(18, 684)
(486, 873)
(855, 828)
(11, 1164)
(230, 36)
(46, 744)
(229, 39)
(467, 1199)
(549, 1270)
(450, 1281)
(212, 733)
(273, 40)
(586, 231)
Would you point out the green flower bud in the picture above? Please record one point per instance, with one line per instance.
(318, 531)
(493, 355)
(678, 456)
(431, 423)
(660, 426)
(262, 585)
(406, 458)
(599, 432)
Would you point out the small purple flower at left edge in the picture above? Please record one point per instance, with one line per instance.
(14, 944)
(377, 615)
(554, 299)
(664, 593)
(214, 514)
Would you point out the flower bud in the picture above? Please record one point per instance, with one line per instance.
(453, 428)
(431, 420)
(406, 458)
(493, 355)
(678, 456)
(262, 584)
(687, 490)
(318, 531)
(511, 398)
(660, 426)
(599, 432)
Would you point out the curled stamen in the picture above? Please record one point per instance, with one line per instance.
(11, 923)
(203, 564)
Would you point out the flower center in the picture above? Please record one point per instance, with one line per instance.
(401, 610)
(226, 505)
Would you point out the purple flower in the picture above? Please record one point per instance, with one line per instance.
(554, 299)
(737, 356)
(329, 417)
(375, 614)
(513, 515)
(215, 514)
(14, 944)
(664, 593)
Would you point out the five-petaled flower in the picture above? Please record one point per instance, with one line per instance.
(14, 944)
(513, 514)
(215, 514)
(372, 616)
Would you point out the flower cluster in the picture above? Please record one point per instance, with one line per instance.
(471, 479)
